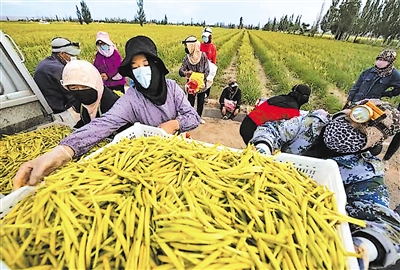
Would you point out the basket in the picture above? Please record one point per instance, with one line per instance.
(325, 172)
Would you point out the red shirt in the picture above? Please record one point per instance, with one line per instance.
(210, 50)
(265, 113)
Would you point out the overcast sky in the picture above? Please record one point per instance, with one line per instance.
(211, 11)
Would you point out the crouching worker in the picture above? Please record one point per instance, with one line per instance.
(347, 137)
(230, 101)
(153, 100)
(275, 108)
(83, 81)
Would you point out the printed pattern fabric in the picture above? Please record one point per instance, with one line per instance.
(362, 174)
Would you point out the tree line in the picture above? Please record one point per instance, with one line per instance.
(343, 19)
(347, 18)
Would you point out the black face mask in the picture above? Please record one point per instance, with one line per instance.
(87, 97)
(187, 51)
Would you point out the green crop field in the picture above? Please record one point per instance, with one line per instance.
(329, 67)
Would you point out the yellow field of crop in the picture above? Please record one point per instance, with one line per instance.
(329, 67)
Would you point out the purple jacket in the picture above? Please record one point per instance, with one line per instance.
(130, 108)
(109, 65)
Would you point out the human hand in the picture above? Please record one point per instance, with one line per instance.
(223, 110)
(32, 172)
(104, 76)
(170, 126)
(236, 112)
(362, 249)
(188, 73)
(263, 149)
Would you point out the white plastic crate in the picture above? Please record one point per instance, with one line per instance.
(137, 130)
(325, 172)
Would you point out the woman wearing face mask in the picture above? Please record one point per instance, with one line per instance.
(107, 61)
(195, 61)
(348, 142)
(375, 81)
(84, 83)
(209, 48)
(230, 101)
(154, 101)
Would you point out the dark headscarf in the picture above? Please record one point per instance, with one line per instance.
(295, 99)
(157, 90)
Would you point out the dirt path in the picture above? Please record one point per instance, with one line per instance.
(264, 80)
(226, 132)
(342, 96)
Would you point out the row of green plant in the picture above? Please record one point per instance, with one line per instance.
(338, 62)
(272, 65)
(225, 55)
(175, 55)
(34, 39)
(246, 73)
(302, 68)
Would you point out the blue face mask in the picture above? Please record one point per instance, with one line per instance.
(143, 76)
(205, 39)
(105, 47)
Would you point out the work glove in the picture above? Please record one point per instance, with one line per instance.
(31, 172)
(263, 149)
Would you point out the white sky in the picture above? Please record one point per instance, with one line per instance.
(211, 11)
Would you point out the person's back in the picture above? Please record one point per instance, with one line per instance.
(275, 108)
(48, 73)
(47, 76)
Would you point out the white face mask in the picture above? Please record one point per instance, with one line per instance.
(381, 63)
(143, 75)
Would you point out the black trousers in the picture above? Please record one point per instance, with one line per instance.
(200, 101)
(247, 128)
(208, 92)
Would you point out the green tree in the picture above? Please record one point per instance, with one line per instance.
(140, 15)
(241, 23)
(86, 16)
(388, 25)
(328, 22)
(348, 13)
(79, 15)
(363, 22)
(165, 22)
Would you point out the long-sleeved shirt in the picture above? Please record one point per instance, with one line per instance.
(210, 50)
(370, 85)
(362, 175)
(109, 66)
(235, 96)
(264, 113)
(134, 107)
(202, 67)
(47, 76)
